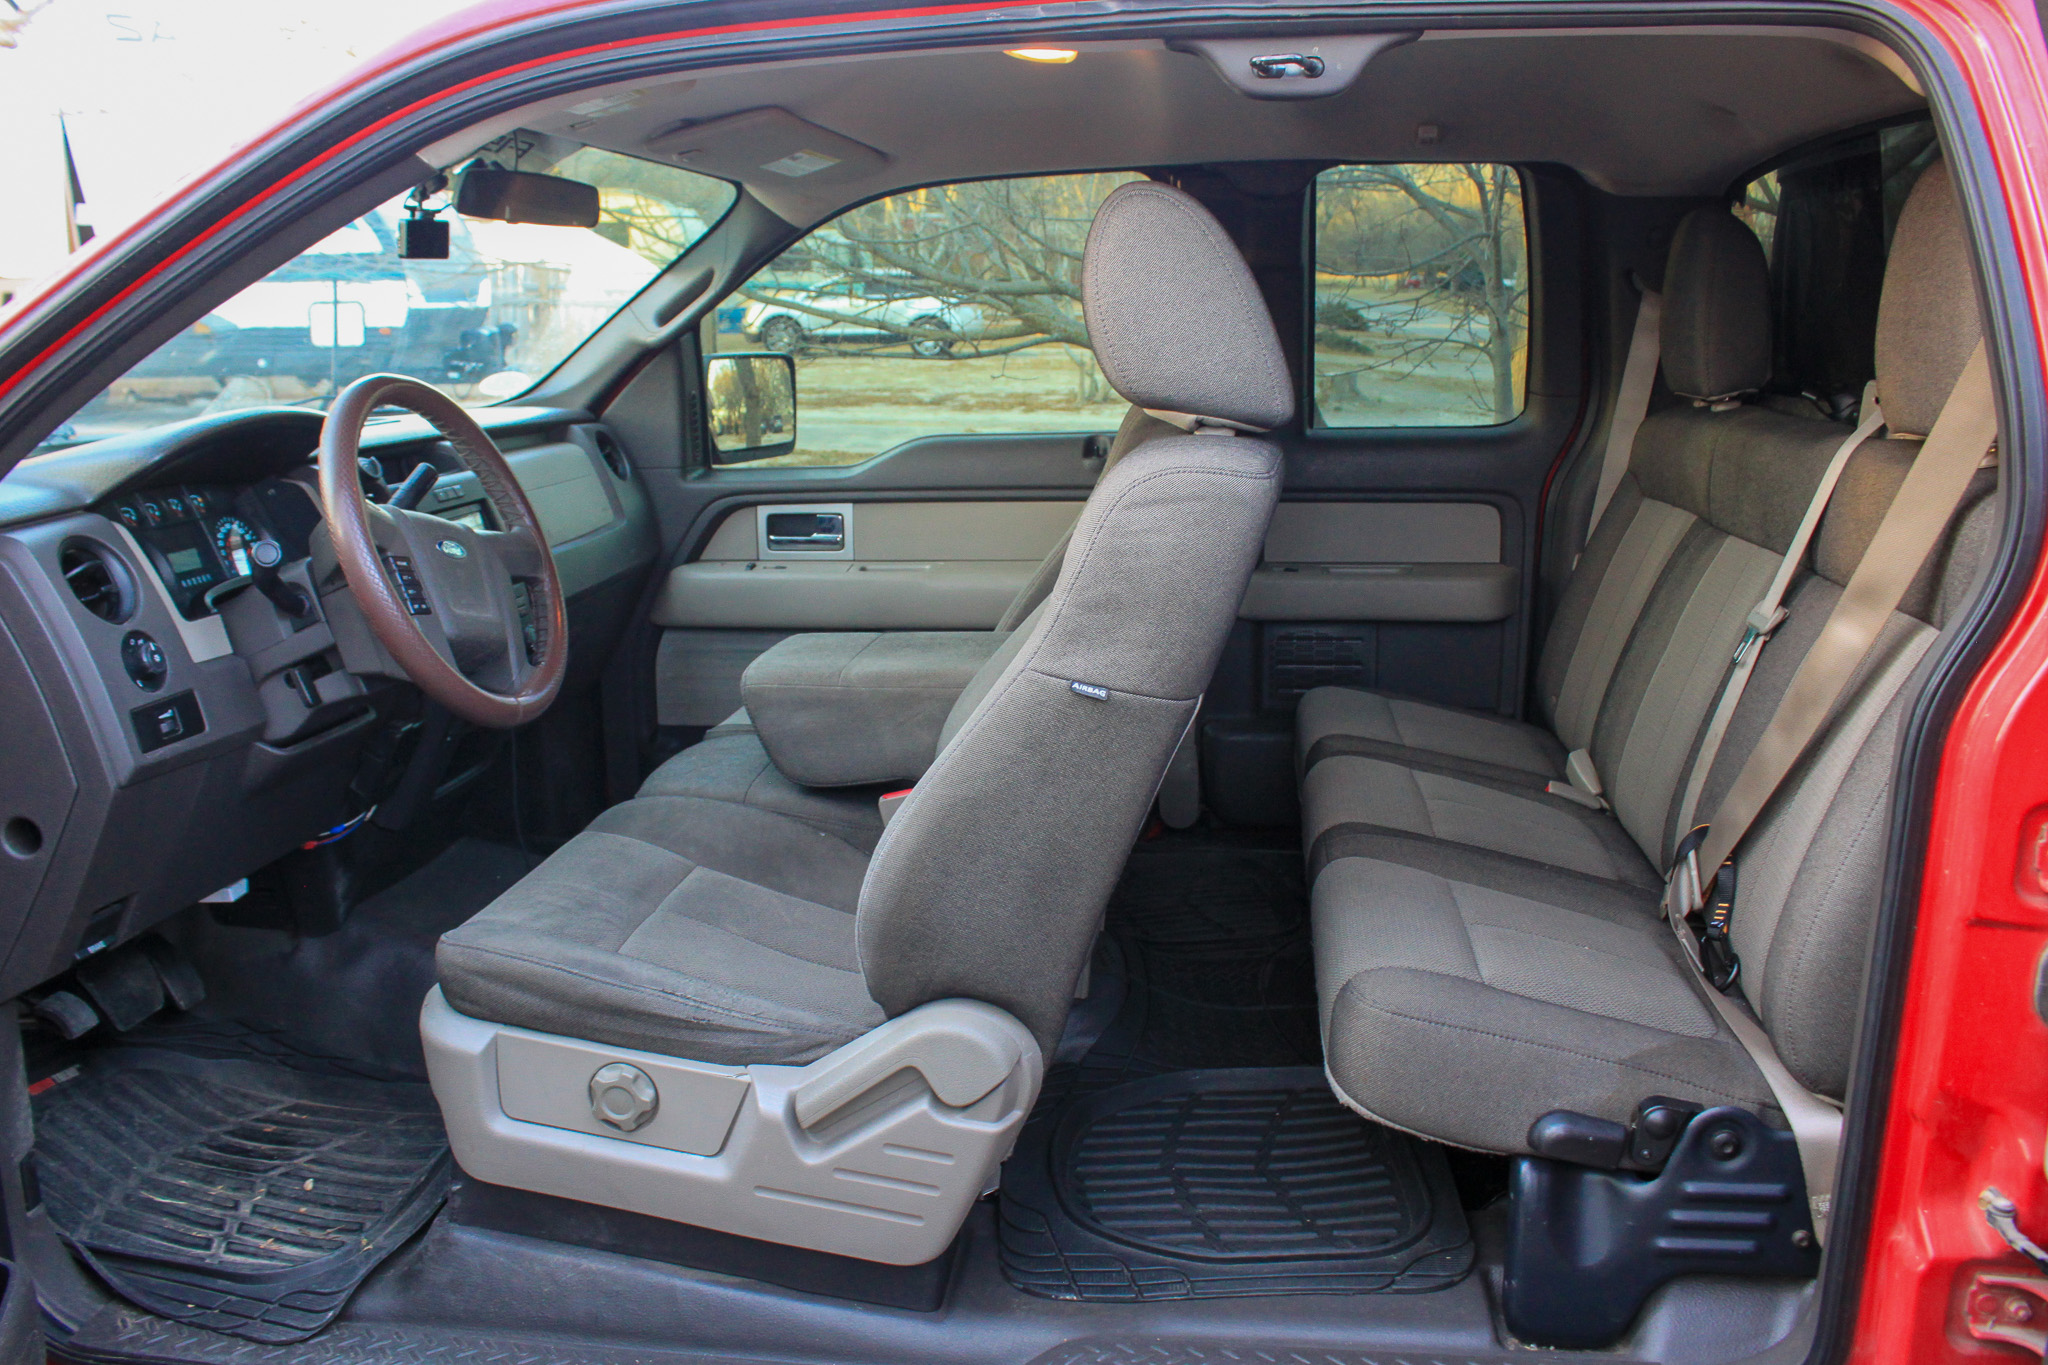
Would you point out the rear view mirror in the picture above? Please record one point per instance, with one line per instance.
(525, 197)
(752, 404)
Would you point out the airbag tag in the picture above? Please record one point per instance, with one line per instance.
(1090, 691)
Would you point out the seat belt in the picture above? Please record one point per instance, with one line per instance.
(1769, 613)
(1921, 509)
(1631, 403)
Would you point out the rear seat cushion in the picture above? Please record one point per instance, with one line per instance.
(1346, 793)
(1335, 713)
(1463, 1007)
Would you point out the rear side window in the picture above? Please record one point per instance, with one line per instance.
(1826, 222)
(1420, 295)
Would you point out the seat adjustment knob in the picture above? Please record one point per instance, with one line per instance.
(622, 1096)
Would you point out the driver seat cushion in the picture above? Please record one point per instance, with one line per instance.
(689, 927)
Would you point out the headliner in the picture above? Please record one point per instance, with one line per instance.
(1636, 111)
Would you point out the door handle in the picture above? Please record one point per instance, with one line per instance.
(823, 531)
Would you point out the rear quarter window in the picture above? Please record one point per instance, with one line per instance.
(1419, 293)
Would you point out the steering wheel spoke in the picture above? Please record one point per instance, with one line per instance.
(439, 596)
(518, 551)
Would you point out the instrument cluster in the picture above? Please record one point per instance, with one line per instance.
(201, 537)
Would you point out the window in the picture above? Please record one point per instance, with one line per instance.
(1420, 296)
(954, 310)
(509, 302)
(1826, 223)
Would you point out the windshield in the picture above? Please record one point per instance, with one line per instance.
(507, 305)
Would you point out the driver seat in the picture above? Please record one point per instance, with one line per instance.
(725, 1016)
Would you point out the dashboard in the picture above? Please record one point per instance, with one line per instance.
(171, 730)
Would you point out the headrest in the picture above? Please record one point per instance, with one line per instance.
(1715, 337)
(1927, 320)
(1177, 322)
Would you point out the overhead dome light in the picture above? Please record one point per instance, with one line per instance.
(1052, 56)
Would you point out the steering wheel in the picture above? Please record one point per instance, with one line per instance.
(442, 597)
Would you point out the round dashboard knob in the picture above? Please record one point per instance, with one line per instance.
(144, 659)
(266, 554)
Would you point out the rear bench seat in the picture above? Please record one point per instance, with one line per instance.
(1488, 950)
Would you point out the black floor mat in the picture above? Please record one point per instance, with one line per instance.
(1201, 1184)
(238, 1196)
(1213, 945)
(354, 993)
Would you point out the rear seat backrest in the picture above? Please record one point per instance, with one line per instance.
(1716, 344)
(1812, 866)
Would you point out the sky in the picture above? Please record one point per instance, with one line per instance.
(154, 92)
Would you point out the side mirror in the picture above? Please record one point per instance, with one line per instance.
(525, 197)
(751, 398)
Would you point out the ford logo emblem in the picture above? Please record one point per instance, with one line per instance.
(452, 548)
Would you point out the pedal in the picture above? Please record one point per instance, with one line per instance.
(123, 985)
(182, 984)
(130, 983)
(66, 1015)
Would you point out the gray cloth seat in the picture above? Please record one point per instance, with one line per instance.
(1463, 996)
(731, 763)
(1646, 628)
(700, 928)
(1341, 720)
(746, 923)
(1716, 344)
(1471, 980)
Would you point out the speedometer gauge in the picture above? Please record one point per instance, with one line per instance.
(233, 538)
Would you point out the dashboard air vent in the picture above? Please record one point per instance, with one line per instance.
(614, 456)
(98, 579)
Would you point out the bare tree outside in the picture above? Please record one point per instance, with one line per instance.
(1421, 295)
(1758, 207)
(949, 310)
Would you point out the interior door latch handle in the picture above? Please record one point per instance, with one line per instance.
(806, 531)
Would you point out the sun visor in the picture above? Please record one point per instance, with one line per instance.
(767, 149)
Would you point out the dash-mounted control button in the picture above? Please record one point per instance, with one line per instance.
(167, 721)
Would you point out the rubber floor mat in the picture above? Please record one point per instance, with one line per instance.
(238, 1196)
(1224, 1183)
(1213, 942)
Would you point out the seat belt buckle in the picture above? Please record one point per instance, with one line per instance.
(1758, 628)
(1719, 962)
(1683, 894)
(887, 803)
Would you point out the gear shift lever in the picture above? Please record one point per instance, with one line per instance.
(263, 559)
(289, 598)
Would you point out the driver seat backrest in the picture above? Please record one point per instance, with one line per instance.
(991, 878)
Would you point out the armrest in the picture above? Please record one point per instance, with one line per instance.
(856, 707)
